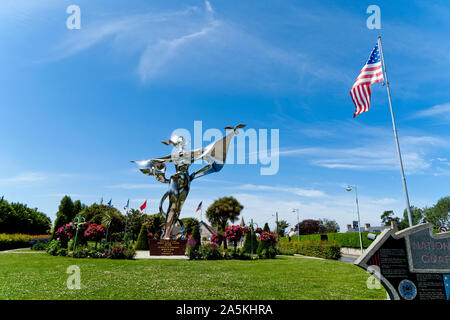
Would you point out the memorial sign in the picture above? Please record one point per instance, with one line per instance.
(167, 247)
(414, 264)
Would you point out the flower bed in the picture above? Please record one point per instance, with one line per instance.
(18, 240)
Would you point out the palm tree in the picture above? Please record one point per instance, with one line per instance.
(107, 219)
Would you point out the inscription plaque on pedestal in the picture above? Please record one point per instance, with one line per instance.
(167, 247)
(414, 263)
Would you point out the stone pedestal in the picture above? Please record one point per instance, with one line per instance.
(167, 247)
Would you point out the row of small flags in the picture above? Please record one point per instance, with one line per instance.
(144, 205)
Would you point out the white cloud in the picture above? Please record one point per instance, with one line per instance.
(297, 191)
(25, 177)
(440, 110)
(129, 186)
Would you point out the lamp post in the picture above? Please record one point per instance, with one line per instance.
(298, 223)
(350, 188)
(79, 220)
(251, 235)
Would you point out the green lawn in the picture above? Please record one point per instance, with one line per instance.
(41, 276)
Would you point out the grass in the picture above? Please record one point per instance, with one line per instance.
(41, 276)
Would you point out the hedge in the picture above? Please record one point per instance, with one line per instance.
(18, 240)
(350, 239)
(320, 249)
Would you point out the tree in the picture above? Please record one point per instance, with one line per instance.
(328, 226)
(416, 215)
(189, 224)
(196, 236)
(388, 216)
(134, 221)
(309, 226)
(223, 210)
(266, 227)
(281, 227)
(64, 215)
(101, 214)
(438, 215)
(18, 218)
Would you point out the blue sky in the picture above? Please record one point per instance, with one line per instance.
(78, 105)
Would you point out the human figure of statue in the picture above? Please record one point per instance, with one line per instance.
(179, 183)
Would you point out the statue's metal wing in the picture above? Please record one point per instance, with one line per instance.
(154, 167)
(215, 154)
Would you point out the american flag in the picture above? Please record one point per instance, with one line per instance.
(199, 206)
(372, 72)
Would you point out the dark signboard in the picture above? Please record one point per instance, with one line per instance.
(167, 247)
(413, 264)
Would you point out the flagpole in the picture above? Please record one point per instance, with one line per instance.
(408, 208)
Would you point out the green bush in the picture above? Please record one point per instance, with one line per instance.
(61, 252)
(247, 247)
(53, 247)
(142, 241)
(349, 239)
(320, 249)
(80, 252)
(39, 246)
(121, 252)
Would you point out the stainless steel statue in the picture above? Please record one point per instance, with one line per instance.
(214, 154)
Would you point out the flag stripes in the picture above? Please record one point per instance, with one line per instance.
(372, 72)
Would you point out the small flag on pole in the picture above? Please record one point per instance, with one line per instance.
(199, 206)
(372, 72)
(109, 203)
(144, 205)
(126, 207)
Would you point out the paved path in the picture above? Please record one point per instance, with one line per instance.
(349, 258)
(17, 251)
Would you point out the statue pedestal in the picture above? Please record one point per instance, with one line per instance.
(167, 247)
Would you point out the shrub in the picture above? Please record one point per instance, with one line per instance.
(142, 241)
(15, 241)
(80, 252)
(349, 239)
(234, 234)
(120, 252)
(320, 249)
(39, 245)
(249, 238)
(53, 247)
(95, 232)
(196, 235)
(209, 252)
(266, 248)
(65, 233)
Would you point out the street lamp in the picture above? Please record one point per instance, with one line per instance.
(252, 224)
(298, 223)
(350, 188)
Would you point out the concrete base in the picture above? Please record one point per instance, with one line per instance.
(146, 255)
